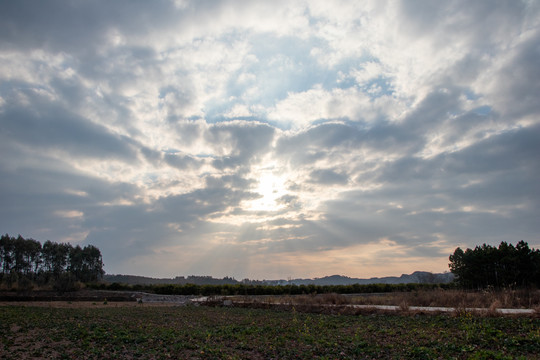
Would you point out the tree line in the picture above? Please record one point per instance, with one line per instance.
(507, 266)
(27, 262)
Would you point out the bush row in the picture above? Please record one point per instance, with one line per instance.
(243, 289)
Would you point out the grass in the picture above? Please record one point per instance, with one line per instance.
(515, 299)
(161, 332)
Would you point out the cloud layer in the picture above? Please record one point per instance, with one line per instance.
(270, 139)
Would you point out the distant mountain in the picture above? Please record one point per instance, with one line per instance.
(135, 280)
(179, 280)
(419, 277)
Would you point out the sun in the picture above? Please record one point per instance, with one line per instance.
(270, 187)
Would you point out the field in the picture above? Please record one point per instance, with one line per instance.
(110, 330)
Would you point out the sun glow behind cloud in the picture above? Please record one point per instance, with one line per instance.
(270, 188)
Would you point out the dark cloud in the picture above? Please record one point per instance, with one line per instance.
(393, 138)
(433, 109)
(172, 158)
(318, 142)
(46, 125)
(229, 181)
(511, 151)
(518, 81)
(241, 142)
(481, 25)
(324, 136)
(189, 132)
(471, 195)
(408, 136)
(50, 201)
(287, 199)
(124, 231)
(435, 113)
(492, 173)
(469, 123)
(227, 162)
(181, 161)
(68, 25)
(328, 177)
(178, 98)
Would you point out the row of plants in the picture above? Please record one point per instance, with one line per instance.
(245, 289)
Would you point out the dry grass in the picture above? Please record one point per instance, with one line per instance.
(460, 300)
(528, 299)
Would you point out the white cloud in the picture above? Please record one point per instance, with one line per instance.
(238, 111)
(318, 104)
(69, 213)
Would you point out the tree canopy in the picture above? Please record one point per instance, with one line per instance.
(27, 260)
(505, 266)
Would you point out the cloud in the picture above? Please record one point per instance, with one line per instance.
(518, 73)
(316, 142)
(328, 177)
(270, 139)
(240, 140)
(67, 26)
(49, 126)
(179, 161)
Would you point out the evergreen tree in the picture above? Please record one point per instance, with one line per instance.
(27, 260)
(505, 266)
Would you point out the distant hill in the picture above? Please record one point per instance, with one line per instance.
(419, 277)
(179, 280)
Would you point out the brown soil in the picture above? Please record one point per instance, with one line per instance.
(83, 304)
(90, 298)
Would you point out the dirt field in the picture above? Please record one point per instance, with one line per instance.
(92, 297)
(84, 304)
(127, 330)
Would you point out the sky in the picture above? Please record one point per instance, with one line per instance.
(270, 139)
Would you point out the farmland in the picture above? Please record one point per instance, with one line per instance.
(130, 331)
